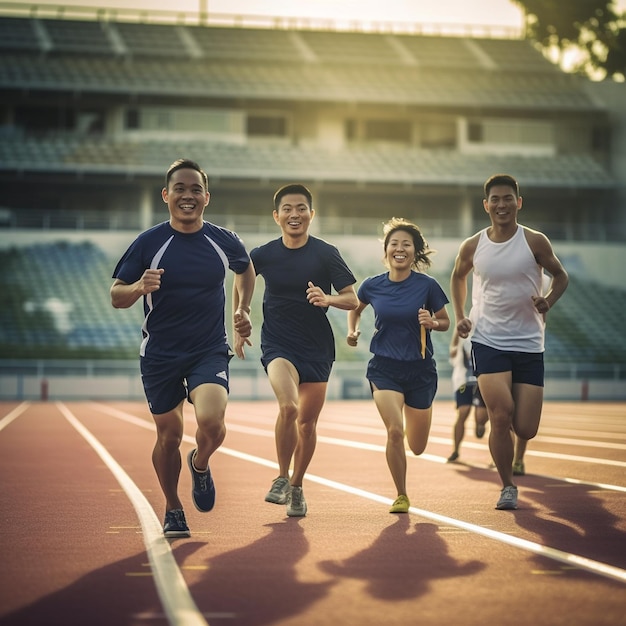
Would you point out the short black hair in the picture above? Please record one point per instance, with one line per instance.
(501, 179)
(293, 188)
(185, 164)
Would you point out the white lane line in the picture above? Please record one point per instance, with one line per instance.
(562, 479)
(568, 558)
(580, 562)
(171, 586)
(250, 430)
(15, 413)
(563, 441)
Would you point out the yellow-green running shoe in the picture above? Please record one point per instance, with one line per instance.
(400, 505)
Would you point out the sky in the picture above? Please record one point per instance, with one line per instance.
(474, 12)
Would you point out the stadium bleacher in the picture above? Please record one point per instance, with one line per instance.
(374, 163)
(328, 88)
(58, 303)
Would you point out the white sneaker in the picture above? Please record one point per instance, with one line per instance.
(296, 505)
(279, 491)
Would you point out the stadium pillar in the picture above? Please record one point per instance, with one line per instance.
(584, 392)
(204, 12)
(146, 208)
(465, 216)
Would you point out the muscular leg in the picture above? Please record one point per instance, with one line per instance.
(528, 405)
(209, 402)
(480, 415)
(390, 405)
(417, 428)
(496, 390)
(166, 454)
(519, 450)
(284, 380)
(311, 401)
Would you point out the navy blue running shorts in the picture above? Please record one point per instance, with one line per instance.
(464, 395)
(525, 367)
(167, 382)
(308, 371)
(416, 380)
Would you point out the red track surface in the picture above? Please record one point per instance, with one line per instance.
(74, 550)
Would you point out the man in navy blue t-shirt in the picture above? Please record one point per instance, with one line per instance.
(178, 268)
(297, 342)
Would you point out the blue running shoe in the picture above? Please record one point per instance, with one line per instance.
(203, 491)
(175, 524)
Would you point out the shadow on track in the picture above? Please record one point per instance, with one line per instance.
(400, 564)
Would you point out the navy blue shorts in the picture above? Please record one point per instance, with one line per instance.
(525, 367)
(167, 382)
(468, 395)
(308, 371)
(464, 395)
(416, 380)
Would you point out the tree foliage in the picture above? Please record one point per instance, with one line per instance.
(594, 28)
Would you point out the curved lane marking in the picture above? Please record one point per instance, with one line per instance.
(172, 589)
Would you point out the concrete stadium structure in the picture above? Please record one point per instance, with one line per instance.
(94, 109)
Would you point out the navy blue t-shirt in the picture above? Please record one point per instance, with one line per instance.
(290, 323)
(186, 315)
(396, 306)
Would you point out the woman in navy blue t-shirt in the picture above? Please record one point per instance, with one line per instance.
(408, 304)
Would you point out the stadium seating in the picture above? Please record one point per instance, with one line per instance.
(77, 37)
(374, 163)
(18, 34)
(58, 305)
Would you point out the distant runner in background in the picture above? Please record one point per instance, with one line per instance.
(466, 393)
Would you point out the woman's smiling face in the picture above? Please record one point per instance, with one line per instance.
(400, 250)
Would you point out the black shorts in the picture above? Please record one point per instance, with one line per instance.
(525, 367)
(308, 371)
(464, 395)
(167, 382)
(416, 380)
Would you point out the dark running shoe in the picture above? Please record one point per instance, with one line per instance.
(453, 457)
(203, 491)
(175, 524)
(508, 499)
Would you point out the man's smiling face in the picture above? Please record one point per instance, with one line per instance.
(294, 215)
(186, 198)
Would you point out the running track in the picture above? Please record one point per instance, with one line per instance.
(82, 512)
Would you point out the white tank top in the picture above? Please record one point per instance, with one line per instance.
(505, 277)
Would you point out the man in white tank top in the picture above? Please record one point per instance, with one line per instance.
(507, 319)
